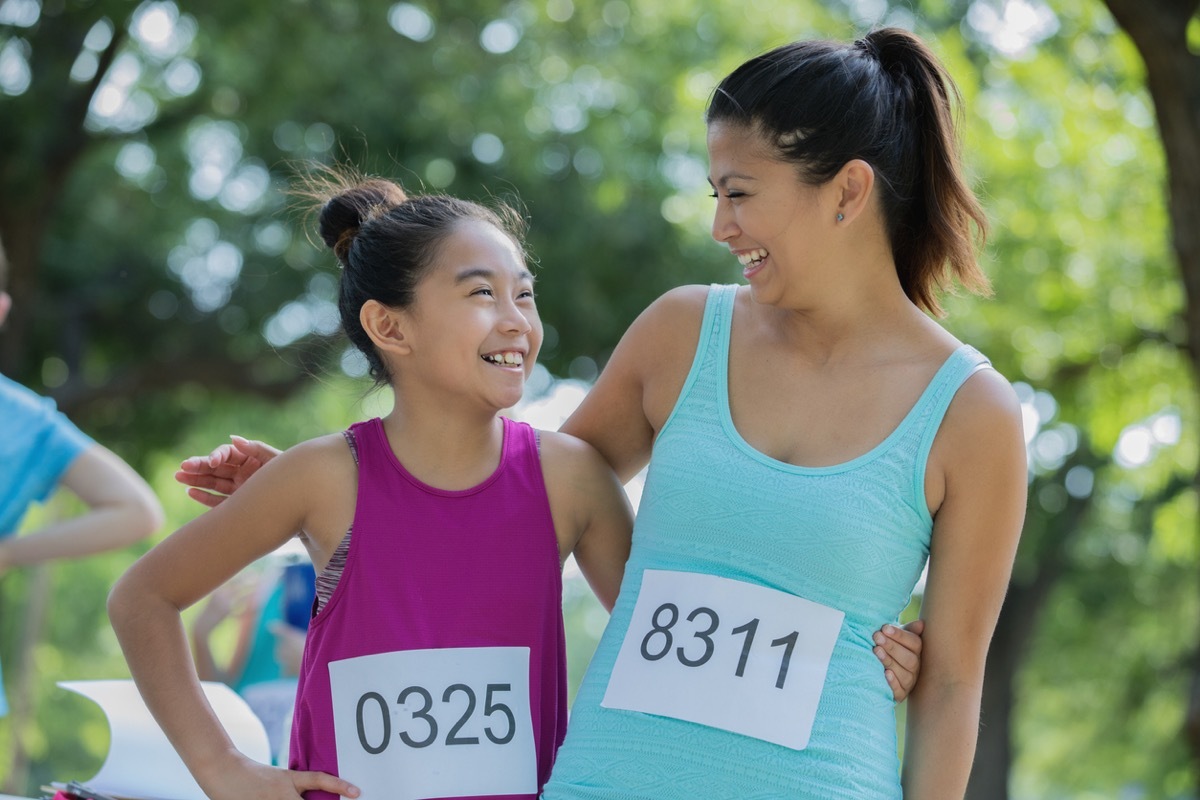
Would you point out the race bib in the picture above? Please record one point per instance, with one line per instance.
(727, 654)
(435, 723)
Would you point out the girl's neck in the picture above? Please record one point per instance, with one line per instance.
(446, 450)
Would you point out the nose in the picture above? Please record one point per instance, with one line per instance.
(724, 227)
(515, 320)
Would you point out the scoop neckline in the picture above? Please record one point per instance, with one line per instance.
(855, 462)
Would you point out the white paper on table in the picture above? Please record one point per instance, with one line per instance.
(141, 762)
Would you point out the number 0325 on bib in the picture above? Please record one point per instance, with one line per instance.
(727, 654)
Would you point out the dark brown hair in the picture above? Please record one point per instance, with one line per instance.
(386, 241)
(885, 99)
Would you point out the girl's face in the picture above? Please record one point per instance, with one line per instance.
(771, 221)
(474, 326)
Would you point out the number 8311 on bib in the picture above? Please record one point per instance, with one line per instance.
(727, 654)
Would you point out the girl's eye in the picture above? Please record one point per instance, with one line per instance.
(527, 293)
(484, 290)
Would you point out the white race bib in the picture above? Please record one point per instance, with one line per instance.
(435, 723)
(727, 654)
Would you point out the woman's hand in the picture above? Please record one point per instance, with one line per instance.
(900, 651)
(214, 477)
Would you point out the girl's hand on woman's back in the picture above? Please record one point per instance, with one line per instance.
(899, 648)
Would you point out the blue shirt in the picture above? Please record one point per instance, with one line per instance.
(37, 445)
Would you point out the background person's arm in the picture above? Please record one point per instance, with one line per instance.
(122, 509)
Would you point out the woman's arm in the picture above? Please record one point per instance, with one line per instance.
(122, 509)
(145, 604)
(980, 455)
(638, 387)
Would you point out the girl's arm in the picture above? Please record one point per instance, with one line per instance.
(592, 516)
(980, 453)
(145, 604)
(122, 509)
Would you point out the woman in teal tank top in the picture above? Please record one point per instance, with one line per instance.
(813, 439)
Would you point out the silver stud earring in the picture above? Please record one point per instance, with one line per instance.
(840, 217)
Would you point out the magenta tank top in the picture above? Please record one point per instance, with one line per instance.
(430, 569)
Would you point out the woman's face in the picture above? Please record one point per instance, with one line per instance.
(772, 222)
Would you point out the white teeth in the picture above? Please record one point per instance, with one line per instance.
(508, 359)
(752, 257)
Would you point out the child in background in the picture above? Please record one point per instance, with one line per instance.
(272, 606)
(435, 661)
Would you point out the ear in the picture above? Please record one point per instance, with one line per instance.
(852, 188)
(387, 327)
(5, 305)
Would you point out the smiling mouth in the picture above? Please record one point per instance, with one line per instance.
(508, 358)
(752, 257)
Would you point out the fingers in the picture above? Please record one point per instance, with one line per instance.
(899, 650)
(254, 449)
(306, 781)
(206, 498)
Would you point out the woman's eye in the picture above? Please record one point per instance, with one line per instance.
(484, 291)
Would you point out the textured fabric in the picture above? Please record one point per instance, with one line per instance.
(37, 445)
(428, 569)
(854, 537)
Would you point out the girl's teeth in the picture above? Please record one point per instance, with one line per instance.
(513, 359)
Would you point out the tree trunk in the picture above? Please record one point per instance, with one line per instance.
(993, 753)
(1158, 29)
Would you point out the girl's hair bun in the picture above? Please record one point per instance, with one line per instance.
(347, 211)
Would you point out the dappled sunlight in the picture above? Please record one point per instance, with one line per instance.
(1012, 27)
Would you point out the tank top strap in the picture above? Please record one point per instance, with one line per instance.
(522, 446)
(709, 371)
(369, 446)
(931, 408)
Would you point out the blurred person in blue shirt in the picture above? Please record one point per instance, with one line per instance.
(41, 450)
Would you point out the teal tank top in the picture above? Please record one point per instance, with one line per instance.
(852, 537)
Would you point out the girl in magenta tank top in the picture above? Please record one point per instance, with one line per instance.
(435, 659)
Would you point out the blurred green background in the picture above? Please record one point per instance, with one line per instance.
(168, 296)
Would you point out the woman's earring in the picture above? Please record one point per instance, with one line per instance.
(840, 217)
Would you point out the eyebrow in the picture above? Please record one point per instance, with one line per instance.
(471, 273)
(724, 179)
